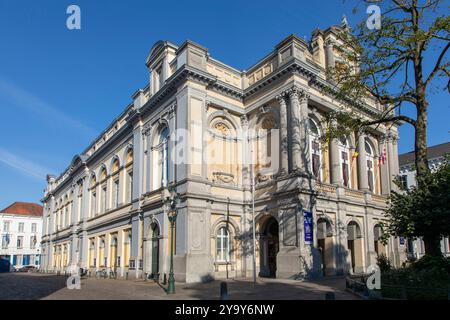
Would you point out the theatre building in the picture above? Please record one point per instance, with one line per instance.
(215, 133)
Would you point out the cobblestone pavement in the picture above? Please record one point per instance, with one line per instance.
(34, 286)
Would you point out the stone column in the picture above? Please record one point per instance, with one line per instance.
(304, 139)
(384, 170)
(148, 157)
(362, 163)
(329, 55)
(295, 124)
(283, 134)
(391, 160)
(171, 146)
(136, 238)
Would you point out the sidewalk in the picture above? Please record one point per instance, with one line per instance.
(265, 289)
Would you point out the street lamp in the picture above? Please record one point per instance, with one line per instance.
(172, 215)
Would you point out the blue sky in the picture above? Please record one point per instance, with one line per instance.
(60, 88)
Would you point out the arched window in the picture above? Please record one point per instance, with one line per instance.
(370, 165)
(129, 176)
(222, 147)
(164, 156)
(102, 248)
(104, 190)
(315, 150)
(344, 160)
(116, 179)
(377, 233)
(126, 247)
(223, 247)
(93, 191)
(92, 260)
(265, 134)
(80, 202)
(66, 211)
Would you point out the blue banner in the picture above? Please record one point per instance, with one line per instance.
(402, 241)
(308, 227)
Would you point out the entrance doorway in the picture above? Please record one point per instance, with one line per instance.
(155, 251)
(354, 244)
(325, 245)
(269, 248)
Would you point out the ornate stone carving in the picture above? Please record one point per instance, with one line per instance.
(263, 177)
(172, 109)
(223, 177)
(244, 120)
(268, 123)
(222, 128)
(264, 109)
(146, 129)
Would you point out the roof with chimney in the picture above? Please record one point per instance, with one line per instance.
(24, 209)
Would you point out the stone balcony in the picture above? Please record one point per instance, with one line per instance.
(334, 191)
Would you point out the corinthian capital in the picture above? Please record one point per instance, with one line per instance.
(304, 95)
(293, 93)
(244, 120)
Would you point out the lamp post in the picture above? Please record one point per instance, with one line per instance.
(172, 215)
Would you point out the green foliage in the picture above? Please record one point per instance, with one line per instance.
(421, 211)
(428, 278)
(384, 263)
(437, 264)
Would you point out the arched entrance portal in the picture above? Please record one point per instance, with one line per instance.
(325, 245)
(354, 244)
(155, 251)
(269, 248)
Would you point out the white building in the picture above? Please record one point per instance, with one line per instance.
(21, 231)
(436, 155)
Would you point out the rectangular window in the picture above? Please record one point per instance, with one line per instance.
(316, 165)
(93, 204)
(21, 226)
(103, 198)
(116, 193)
(370, 175)
(5, 241)
(80, 203)
(19, 242)
(345, 173)
(130, 186)
(33, 227)
(6, 225)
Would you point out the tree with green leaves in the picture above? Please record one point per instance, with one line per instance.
(388, 65)
(422, 211)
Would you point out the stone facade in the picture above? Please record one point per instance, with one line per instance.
(217, 133)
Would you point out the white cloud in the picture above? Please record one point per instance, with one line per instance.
(23, 165)
(26, 100)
